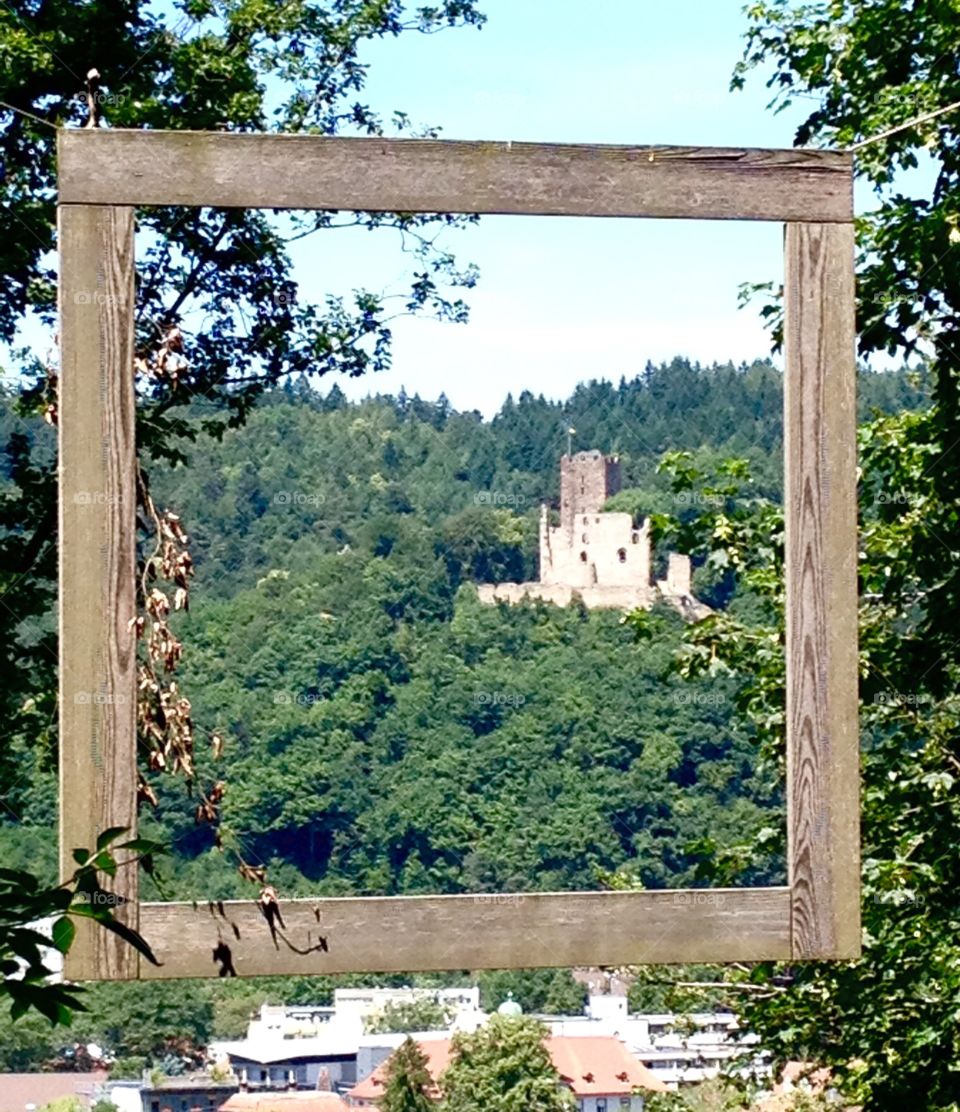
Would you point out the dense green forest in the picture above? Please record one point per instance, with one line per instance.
(384, 731)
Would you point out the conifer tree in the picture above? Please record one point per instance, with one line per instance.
(408, 1081)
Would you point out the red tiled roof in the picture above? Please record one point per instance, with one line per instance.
(20, 1089)
(600, 1065)
(437, 1052)
(592, 1065)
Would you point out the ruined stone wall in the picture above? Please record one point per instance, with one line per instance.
(603, 550)
(678, 581)
(594, 598)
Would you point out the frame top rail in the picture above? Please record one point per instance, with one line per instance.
(275, 171)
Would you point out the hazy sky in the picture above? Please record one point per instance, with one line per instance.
(563, 299)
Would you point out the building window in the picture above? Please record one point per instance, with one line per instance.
(601, 1104)
(622, 555)
(583, 557)
(584, 539)
(624, 1102)
(635, 538)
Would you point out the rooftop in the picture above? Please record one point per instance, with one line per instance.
(591, 1065)
(17, 1090)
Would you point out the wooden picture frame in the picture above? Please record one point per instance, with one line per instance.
(103, 174)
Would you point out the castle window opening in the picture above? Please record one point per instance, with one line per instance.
(635, 539)
(584, 539)
(583, 557)
(622, 555)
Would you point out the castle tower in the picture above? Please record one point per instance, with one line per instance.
(587, 480)
(598, 555)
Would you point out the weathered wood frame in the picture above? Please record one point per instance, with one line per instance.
(102, 176)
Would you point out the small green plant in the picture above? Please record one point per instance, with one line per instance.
(24, 903)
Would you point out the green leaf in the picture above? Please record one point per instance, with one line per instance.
(134, 938)
(110, 835)
(144, 846)
(64, 933)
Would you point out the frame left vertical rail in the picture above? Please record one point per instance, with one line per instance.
(97, 535)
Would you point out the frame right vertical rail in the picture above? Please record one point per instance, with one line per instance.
(823, 773)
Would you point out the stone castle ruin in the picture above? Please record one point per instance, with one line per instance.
(599, 557)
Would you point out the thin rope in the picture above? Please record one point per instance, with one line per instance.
(903, 127)
(29, 115)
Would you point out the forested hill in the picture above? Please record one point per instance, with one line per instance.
(351, 471)
(387, 733)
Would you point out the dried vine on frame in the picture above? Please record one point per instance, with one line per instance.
(165, 726)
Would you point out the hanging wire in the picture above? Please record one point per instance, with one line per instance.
(29, 115)
(903, 127)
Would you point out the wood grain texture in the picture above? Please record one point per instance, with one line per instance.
(97, 558)
(823, 770)
(412, 933)
(422, 175)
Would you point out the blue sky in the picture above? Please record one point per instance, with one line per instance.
(564, 300)
(561, 300)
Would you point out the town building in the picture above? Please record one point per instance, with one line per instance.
(598, 556)
(295, 1052)
(599, 1070)
(192, 1093)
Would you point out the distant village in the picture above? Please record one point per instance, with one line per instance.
(325, 1059)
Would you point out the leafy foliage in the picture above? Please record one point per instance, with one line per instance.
(550, 991)
(409, 1015)
(25, 903)
(505, 1067)
(385, 677)
(216, 281)
(886, 1024)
